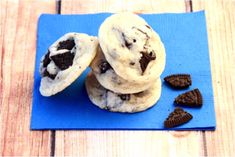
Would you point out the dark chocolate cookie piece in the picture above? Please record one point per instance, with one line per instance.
(177, 117)
(67, 44)
(64, 60)
(47, 74)
(125, 97)
(46, 59)
(179, 81)
(191, 98)
(127, 43)
(104, 66)
(145, 59)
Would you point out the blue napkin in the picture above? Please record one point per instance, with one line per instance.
(185, 39)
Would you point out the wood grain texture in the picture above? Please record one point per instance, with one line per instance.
(220, 16)
(138, 6)
(127, 143)
(17, 53)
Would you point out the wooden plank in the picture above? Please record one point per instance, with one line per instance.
(17, 51)
(127, 143)
(139, 6)
(220, 16)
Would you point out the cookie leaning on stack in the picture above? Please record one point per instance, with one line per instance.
(127, 67)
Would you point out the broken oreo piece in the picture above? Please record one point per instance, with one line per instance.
(179, 81)
(125, 97)
(104, 66)
(177, 117)
(63, 61)
(67, 44)
(191, 98)
(145, 59)
(127, 44)
(47, 74)
(46, 59)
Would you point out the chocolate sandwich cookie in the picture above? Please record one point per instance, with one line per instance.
(177, 117)
(179, 81)
(65, 60)
(132, 48)
(191, 98)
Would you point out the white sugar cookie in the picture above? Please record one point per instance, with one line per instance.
(106, 99)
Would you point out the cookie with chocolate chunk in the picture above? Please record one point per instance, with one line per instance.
(132, 47)
(65, 60)
(108, 78)
(106, 99)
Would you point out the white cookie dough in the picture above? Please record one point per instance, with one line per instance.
(107, 77)
(126, 40)
(106, 99)
(81, 48)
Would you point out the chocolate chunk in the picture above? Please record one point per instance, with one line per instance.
(148, 26)
(67, 44)
(191, 98)
(46, 59)
(47, 74)
(179, 81)
(177, 117)
(145, 59)
(127, 44)
(125, 97)
(104, 66)
(64, 60)
(132, 63)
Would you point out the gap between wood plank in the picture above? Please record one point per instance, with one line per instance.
(53, 132)
(204, 144)
(52, 142)
(189, 5)
(58, 6)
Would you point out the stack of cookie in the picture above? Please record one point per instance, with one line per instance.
(127, 60)
(126, 70)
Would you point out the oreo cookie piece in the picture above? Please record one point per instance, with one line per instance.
(191, 98)
(104, 66)
(64, 60)
(177, 117)
(145, 59)
(67, 44)
(46, 59)
(179, 81)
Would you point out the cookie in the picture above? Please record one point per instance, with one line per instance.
(191, 98)
(132, 47)
(65, 60)
(177, 117)
(108, 100)
(107, 77)
(179, 81)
